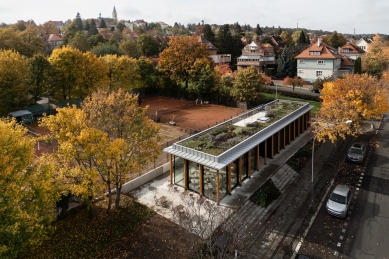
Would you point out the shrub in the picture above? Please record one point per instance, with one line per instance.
(266, 194)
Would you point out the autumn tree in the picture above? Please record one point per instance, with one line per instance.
(40, 80)
(377, 57)
(296, 81)
(14, 81)
(148, 45)
(285, 36)
(49, 28)
(123, 72)
(178, 58)
(363, 98)
(247, 85)
(130, 48)
(335, 40)
(28, 193)
(133, 137)
(80, 42)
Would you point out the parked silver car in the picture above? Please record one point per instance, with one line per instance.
(339, 201)
(356, 153)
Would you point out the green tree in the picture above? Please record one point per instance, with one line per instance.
(106, 49)
(284, 67)
(247, 85)
(95, 40)
(224, 40)
(78, 22)
(102, 23)
(148, 45)
(177, 59)
(147, 72)
(358, 66)
(258, 30)
(39, 81)
(28, 196)
(130, 48)
(14, 82)
(203, 78)
(302, 38)
(80, 42)
(93, 28)
(208, 33)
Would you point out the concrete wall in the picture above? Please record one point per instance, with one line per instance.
(135, 183)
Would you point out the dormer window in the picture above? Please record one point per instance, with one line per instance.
(346, 50)
(314, 53)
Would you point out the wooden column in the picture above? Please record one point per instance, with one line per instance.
(303, 123)
(272, 146)
(265, 158)
(258, 161)
(171, 169)
(240, 169)
(249, 163)
(185, 174)
(294, 129)
(285, 136)
(201, 179)
(290, 133)
(217, 187)
(279, 141)
(229, 179)
(299, 126)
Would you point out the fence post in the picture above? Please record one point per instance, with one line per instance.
(154, 163)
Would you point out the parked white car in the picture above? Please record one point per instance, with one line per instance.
(339, 201)
(356, 153)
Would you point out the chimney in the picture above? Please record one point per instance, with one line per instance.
(338, 50)
(318, 42)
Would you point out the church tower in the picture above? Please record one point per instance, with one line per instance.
(115, 15)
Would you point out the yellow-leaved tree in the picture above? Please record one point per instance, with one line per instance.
(133, 137)
(357, 98)
(28, 192)
(101, 145)
(122, 72)
(247, 85)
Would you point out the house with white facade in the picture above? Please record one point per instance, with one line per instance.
(364, 43)
(258, 55)
(321, 60)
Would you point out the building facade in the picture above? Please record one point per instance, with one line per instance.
(197, 164)
(257, 55)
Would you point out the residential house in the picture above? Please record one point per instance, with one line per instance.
(321, 60)
(258, 55)
(163, 25)
(58, 24)
(278, 42)
(217, 58)
(364, 43)
(53, 41)
(140, 23)
(352, 51)
(129, 25)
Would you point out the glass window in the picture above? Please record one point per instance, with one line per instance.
(319, 73)
(179, 171)
(301, 71)
(223, 182)
(194, 176)
(320, 62)
(253, 159)
(233, 170)
(301, 61)
(209, 183)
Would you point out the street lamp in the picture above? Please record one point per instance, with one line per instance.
(313, 149)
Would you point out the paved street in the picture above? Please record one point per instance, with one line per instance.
(363, 234)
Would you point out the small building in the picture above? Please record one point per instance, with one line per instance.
(352, 51)
(321, 60)
(215, 161)
(216, 58)
(364, 43)
(258, 55)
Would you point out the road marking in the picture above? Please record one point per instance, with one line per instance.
(345, 224)
(344, 230)
(361, 177)
(357, 189)
(360, 181)
(358, 184)
(341, 238)
(311, 222)
(362, 174)
(339, 244)
(336, 253)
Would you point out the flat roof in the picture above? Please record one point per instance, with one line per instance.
(222, 157)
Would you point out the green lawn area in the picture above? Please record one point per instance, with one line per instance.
(77, 236)
(267, 97)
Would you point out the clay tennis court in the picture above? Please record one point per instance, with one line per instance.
(187, 116)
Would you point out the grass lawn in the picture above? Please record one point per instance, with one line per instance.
(271, 97)
(77, 236)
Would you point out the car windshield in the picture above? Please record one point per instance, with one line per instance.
(338, 198)
(356, 151)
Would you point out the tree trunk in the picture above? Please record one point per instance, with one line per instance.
(118, 192)
(109, 197)
(90, 210)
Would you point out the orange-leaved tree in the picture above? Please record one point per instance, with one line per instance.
(296, 81)
(355, 97)
(179, 57)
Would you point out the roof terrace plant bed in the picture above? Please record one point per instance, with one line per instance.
(225, 136)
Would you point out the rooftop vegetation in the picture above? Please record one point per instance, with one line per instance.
(227, 135)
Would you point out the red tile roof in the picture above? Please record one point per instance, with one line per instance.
(327, 52)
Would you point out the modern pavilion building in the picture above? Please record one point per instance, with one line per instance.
(215, 161)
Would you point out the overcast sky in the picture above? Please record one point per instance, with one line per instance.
(365, 16)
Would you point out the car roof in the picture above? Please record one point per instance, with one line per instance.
(341, 189)
(357, 145)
